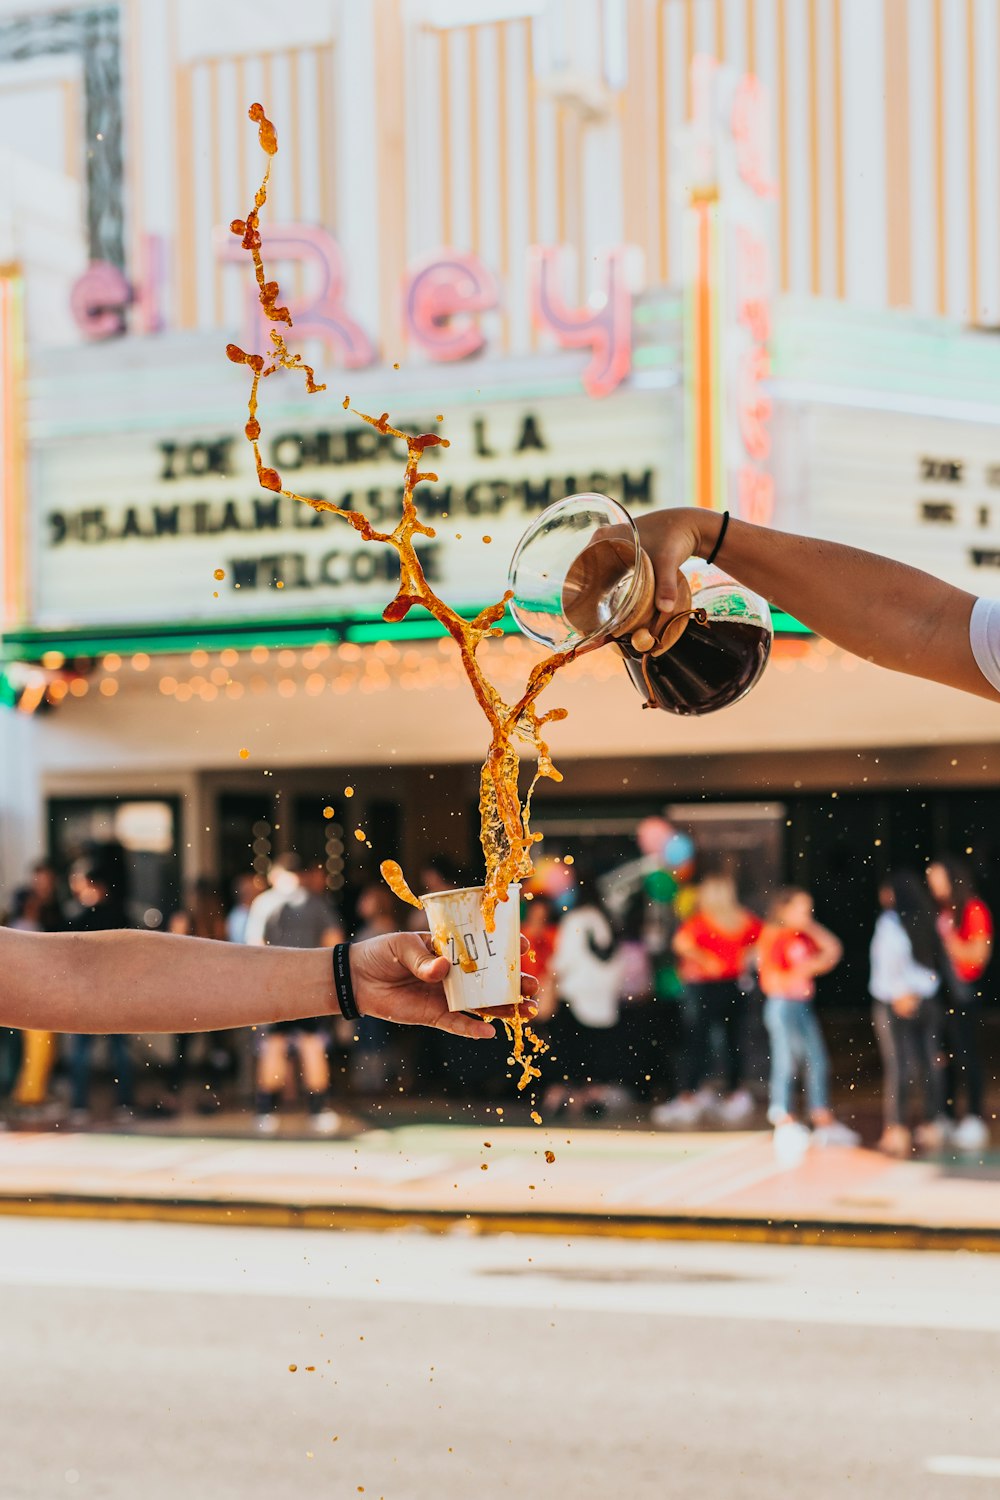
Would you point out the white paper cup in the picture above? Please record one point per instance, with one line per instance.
(485, 968)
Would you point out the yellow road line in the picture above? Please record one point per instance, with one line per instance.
(857, 1236)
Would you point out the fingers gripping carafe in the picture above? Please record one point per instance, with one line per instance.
(580, 579)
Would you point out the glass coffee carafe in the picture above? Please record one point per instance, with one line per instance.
(580, 579)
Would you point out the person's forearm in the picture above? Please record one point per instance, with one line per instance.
(882, 611)
(143, 981)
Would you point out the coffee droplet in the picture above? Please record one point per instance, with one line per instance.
(360, 835)
(550, 1156)
(328, 812)
(219, 574)
(244, 755)
(346, 403)
(487, 539)
(536, 1117)
(348, 791)
(293, 1368)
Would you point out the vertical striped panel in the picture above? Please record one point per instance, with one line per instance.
(735, 35)
(923, 210)
(940, 200)
(897, 146)
(799, 195)
(427, 176)
(664, 94)
(219, 166)
(956, 157)
(517, 198)
(987, 187)
(784, 147)
(457, 143)
(839, 220)
(13, 491)
(825, 248)
(864, 152)
(972, 180)
(678, 87)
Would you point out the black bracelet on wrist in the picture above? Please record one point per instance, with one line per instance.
(342, 986)
(710, 559)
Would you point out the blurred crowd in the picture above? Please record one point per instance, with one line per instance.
(665, 1000)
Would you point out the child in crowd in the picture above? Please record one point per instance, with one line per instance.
(793, 951)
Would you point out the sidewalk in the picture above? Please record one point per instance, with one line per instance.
(438, 1177)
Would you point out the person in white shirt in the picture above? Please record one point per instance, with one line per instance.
(904, 983)
(588, 973)
(882, 611)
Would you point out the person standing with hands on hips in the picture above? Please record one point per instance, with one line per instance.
(792, 952)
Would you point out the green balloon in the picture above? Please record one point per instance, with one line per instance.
(661, 886)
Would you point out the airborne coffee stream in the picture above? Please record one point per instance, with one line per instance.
(505, 831)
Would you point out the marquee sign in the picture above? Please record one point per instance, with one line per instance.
(135, 531)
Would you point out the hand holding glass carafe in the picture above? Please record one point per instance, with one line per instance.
(580, 579)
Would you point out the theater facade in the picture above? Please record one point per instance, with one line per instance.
(200, 668)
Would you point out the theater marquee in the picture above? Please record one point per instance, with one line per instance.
(135, 531)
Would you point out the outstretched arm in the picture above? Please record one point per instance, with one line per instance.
(879, 610)
(108, 982)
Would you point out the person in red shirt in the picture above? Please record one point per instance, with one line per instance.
(713, 947)
(792, 952)
(538, 925)
(965, 927)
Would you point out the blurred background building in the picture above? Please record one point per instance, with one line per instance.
(738, 253)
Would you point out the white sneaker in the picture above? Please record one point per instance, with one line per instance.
(972, 1134)
(685, 1110)
(327, 1122)
(737, 1108)
(791, 1142)
(267, 1124)
(836, 1134)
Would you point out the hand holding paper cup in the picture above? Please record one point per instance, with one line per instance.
(485, 971)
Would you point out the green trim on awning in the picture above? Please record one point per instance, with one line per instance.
(29, 645)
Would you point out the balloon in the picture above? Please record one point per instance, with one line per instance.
(652, 833)
(677, 850)
(552, 878)
(660, 885)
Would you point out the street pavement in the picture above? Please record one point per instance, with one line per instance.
(152, 1360)
(498, 1175)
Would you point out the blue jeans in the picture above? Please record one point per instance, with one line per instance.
(795, 1040)
(80, 1048)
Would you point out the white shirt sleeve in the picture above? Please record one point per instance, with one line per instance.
(984, 634)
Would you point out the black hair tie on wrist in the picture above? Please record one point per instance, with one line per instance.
(719, 540)
(342, 986)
